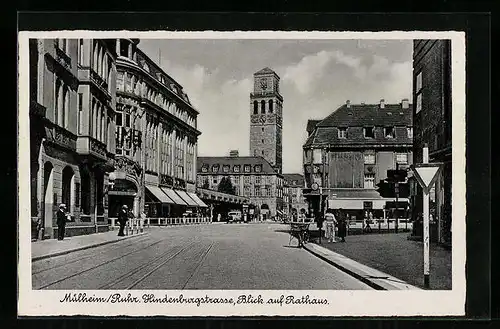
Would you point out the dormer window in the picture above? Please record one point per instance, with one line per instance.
(247, 168)
(204, 169)
(410, 132)
(236, 168)
(389, 132)
(258, 168)
(369, 132)
(215, 168)
(225, 169)
(342, 132)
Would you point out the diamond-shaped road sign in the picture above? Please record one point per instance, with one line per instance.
(426, 174)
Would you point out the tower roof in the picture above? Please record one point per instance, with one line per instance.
(265, 70)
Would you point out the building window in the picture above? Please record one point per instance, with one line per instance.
(389, 132)
(225, 169)
(369, 180)
(342, 133)
(263, 106)
(247, 168)
(402, 158)
(236, 168)
(80, 51)
(80, 113)
(214, 180)
(270, 106)
(257, 191)
(246, 190)
(418, 92)
(215, 168)
(318, 156)
(204, 169)
(247, 180)
(85, 178)
(258, 180)
(258, 168)
(419, 103)
(369, 132)
(369, 158)
(409, 130)
(255, 107)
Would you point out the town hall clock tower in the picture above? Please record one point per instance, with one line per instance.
(266, 118)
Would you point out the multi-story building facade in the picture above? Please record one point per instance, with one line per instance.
(72, 124)
(156, 138)
(349, 152)
(432, 116)
(295, 202)
(252, 177)
(266, 118)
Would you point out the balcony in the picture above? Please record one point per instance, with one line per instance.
(60, 136)
(63, 59)
(89, 146)
(89, 76)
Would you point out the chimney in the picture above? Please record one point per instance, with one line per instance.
(405, 104)
(234, 153)
(382, 103)
(348, 104)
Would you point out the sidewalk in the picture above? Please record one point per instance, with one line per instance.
(53, 247)
(397, 256)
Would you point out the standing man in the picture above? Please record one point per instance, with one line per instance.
(122, 219)
(61, 221)
(342, 223)
(330, 227)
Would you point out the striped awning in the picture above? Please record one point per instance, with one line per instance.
(197, 200)
(172, 195)
(186, 198)
(158, 193)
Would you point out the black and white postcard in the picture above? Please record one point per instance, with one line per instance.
(241, 173)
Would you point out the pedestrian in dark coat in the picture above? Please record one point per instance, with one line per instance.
(61, 221)
(342, 225)
(122, 219)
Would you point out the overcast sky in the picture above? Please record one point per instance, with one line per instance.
(317, 76)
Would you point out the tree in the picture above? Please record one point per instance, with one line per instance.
(205, 184)
(225, 186)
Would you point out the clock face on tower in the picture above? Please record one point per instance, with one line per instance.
(263, 83)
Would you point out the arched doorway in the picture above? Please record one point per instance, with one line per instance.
(264, 209)
(48, 197)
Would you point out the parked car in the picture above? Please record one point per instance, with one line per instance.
(235, 216)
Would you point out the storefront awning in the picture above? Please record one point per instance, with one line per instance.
(186, 198)
(197, 200)
(172, 195)
(158, 193)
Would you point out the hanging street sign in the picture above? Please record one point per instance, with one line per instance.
(426, 174)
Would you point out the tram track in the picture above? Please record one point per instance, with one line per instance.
(79, 259)
(98, 265)
(150, 267)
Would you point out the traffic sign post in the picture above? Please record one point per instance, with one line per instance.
(426, 174)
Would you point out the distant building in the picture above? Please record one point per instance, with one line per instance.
(266, 118)
(72, 132)
(295, 203)
(349, 152)
(432, 116)
(253, 178)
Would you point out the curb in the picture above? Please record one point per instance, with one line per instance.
(60, 253)
(377, 282)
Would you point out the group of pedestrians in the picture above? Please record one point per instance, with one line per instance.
(333, 222)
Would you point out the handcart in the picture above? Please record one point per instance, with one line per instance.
(299, 231)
